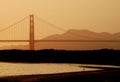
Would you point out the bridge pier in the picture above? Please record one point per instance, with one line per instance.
(31, 41)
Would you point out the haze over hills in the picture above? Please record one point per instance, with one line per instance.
(75, 34)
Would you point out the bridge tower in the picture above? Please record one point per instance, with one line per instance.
(31, 36)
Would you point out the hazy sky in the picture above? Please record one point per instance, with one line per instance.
(95, 15)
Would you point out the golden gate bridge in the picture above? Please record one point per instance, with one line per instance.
(31, 35)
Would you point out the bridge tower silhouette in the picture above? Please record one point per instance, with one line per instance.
(31, 36)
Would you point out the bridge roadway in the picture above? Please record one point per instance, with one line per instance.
(60, 40)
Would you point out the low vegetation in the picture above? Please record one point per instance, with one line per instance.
(103, 56)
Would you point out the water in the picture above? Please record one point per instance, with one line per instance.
(13, 69)
(77, 45)
(63, 45)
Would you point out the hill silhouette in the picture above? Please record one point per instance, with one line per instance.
(75, 34)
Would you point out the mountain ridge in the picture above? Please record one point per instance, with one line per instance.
(75, 34)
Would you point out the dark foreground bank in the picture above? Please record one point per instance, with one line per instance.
(92, 76)
(103, 56)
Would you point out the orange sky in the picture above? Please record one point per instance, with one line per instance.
(95, 15)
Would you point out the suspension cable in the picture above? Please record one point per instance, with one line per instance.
(6, 28)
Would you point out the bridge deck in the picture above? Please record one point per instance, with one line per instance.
(61, 40)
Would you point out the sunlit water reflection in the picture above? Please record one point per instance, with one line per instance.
(11, 69)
